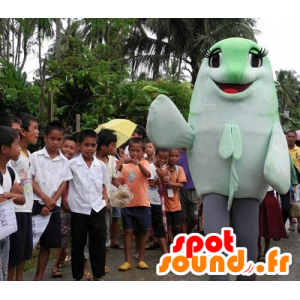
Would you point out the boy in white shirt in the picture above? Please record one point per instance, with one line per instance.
(106, 149)
(154, 182)
(10, 188)
(21, 240)
(50, 172)
(87, 202)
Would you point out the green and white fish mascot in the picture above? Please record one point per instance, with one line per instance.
(235, 143)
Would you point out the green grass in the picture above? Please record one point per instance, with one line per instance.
(30, 264)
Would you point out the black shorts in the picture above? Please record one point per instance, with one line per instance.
(21, 240)
(157, 221)
(51, 237)
(174, 218)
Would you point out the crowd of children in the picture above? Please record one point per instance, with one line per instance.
(70, 181)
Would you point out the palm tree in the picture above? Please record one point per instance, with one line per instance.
(288, 88)
(185, 39)
(5, 44)
(25, 39)
(72, 31)
(162, 29)
(44, 30)
(58, 37)
(149, 44)
(174, 72)
(92, 31)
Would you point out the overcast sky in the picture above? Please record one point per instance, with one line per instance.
(282, 40)
(278, 21)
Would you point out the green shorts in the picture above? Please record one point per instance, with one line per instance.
(189, 204)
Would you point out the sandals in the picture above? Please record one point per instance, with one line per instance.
(117, 246)
(87, 276)
(142, 265)
(63, 262)
(125, 267)
(56, 274)
(260, 258)
(152, 245)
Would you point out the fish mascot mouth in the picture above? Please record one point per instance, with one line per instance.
(232, 88)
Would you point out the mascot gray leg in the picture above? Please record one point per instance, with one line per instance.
(245, 223)
(216, 217)
(243, 218)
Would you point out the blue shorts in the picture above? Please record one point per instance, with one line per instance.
(136, 216)
(21, 240)
(116, 212)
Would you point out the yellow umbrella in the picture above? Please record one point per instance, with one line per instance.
(122, 127)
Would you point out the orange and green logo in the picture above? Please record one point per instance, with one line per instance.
(217, 254)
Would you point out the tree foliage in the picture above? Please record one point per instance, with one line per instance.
(114, 68)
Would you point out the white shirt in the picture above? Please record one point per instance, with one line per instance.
(7, 184)
(49, 173)
(111, 172)
(117, 172)
(86, 187)
(153, 191)
(22, 167)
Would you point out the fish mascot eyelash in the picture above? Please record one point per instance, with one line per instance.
(262, 52)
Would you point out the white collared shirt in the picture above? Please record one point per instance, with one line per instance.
(86, 187)
(111, 172)
(22, 167)
(153, 191)
(49, 173)
(7, 184)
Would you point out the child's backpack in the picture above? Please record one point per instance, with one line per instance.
(11, 173)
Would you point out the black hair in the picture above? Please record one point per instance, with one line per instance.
(54, 125)
(8, 119)
(26, 119)
(105, 137)
(8, 136)
(76, 136)
(123, 146)
(70, 138)
(87, 133)
(174, 149)
(140, 131)
(147, 140)
(292, 132)
(160, 149)
(137, 141)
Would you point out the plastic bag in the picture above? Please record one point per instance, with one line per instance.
(121, 196)
(295, 210)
